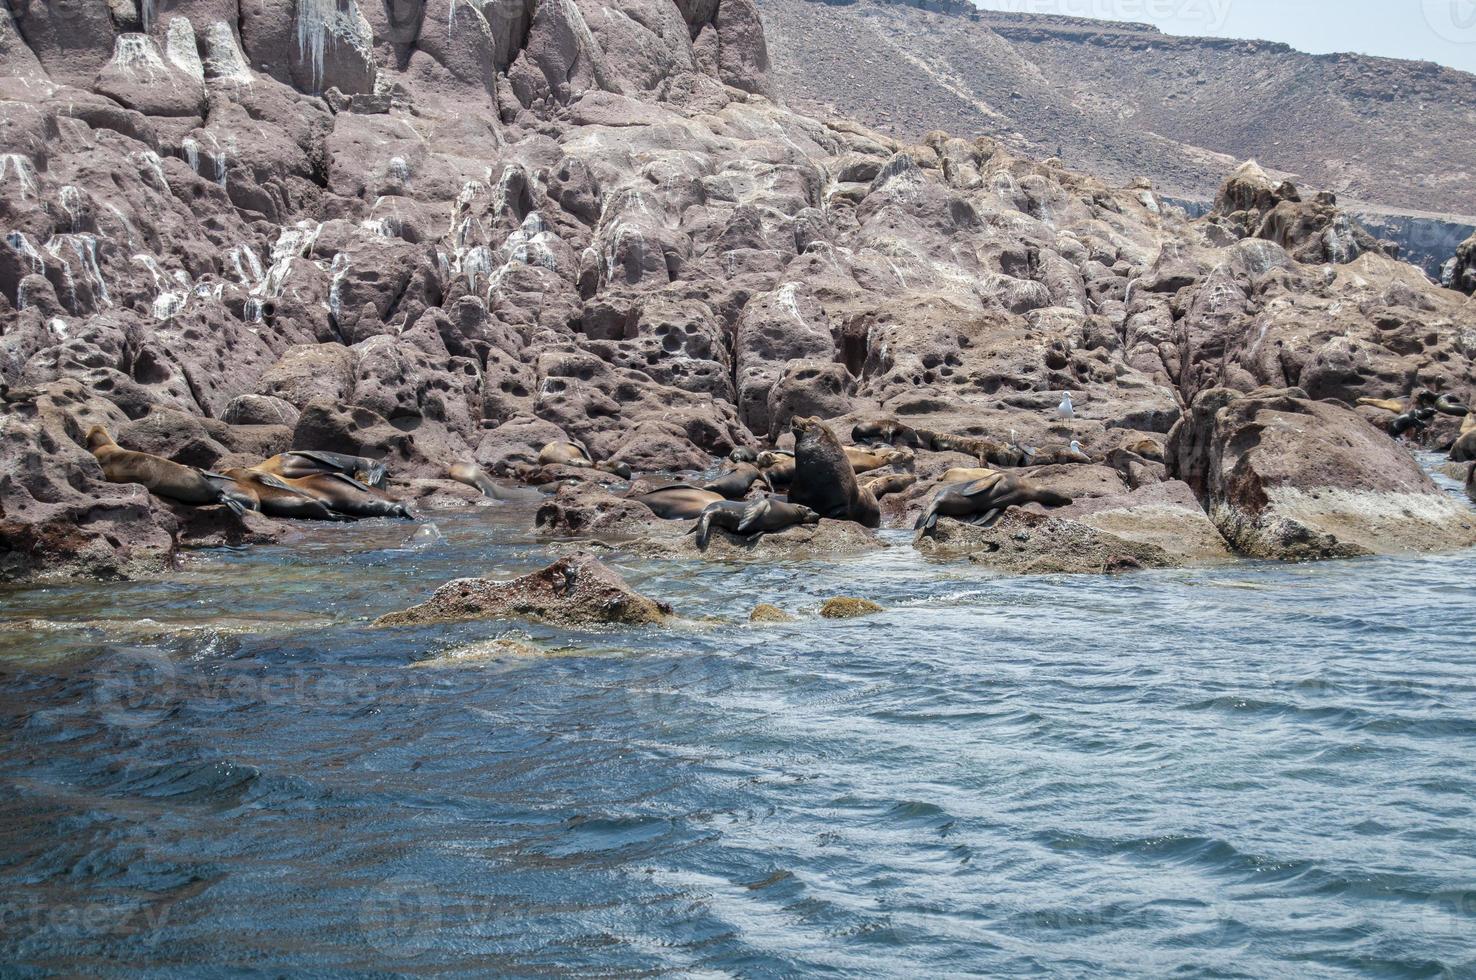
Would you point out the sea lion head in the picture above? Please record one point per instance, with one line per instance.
(97, 438)
(805, 514)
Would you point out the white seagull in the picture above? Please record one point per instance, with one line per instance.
(1065, 410)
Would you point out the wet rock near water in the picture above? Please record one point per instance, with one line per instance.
(848, 607)
(1028, 543)
(574, 591)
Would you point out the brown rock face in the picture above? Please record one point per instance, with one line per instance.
(1028, 543)
(574, 591)
(454, 231)
(1285, 477)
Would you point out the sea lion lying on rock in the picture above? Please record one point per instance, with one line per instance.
(891, 483)
(866, 460)
(734, 482)
(678, 502)
(1416, 418)
(750, 517)
(568, 454)
(272, 495)
(1464, 450)
(345, 495)
(824, 480)
(889, 431)
(778, 469)
(474, 476)
(163, 477)
(310, 462)
(983, 501)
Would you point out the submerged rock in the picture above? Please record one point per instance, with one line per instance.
(765, 613)
(848, 607)
(573, 591)
(1028, 543)
(1288, 478)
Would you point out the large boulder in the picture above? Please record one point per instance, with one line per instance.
(1027, 543)
(573, 591)
(1288, 478)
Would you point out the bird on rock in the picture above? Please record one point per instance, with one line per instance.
(1066, 410)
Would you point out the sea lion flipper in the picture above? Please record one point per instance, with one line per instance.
(752, 515)
(703, 529)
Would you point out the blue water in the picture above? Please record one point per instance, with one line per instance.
(1257, 770)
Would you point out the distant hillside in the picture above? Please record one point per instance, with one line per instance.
(1124, 100)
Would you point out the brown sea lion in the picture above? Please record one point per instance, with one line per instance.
(565, 453)
(1383, 404)
(866, 460)
(778, 470)
(750, 517)
(891, 483)
(991, 452)
(734, 482)
(983, 501)
(474, 476)
(1464, 450)
(163, 477)
(310, 462)
(678, 502)
(1471, 482)
(823, 478)
(345, 495)
(273, 496)
(621, 470)
(965, 474)
(1149, 449)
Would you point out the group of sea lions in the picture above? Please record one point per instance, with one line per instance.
(1417, 411)
(300, 484)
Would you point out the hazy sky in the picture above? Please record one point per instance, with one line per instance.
(1433, 30)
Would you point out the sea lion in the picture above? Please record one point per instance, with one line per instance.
(888, 431)
(474, 476)
(310, 462)
(1415, 418)
(891, 483)
(1150, 449)
(750, 517)
(163, 477)
(778, 470)
(1383, 404)
(563, 452)
(743, 454)
(1471, 482)
(983, 501)
(1464, 450)
(678, 502)
(733, 483)
(621, 470)
(823, 478)
(346, 495)
(1447, 405)
(986, 450)
(964, 474)
(273, 496)
(866, 460)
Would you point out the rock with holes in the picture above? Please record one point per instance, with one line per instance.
(310, 372)
(574, 591)
(820, 388)
(1288, 478)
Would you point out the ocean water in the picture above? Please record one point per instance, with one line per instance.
(1259, 770)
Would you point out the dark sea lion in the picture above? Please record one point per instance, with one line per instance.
(726, 514)
(734, 482)
(769, 515)
(1415, 418)
(474, 476)
(891, 483)
(273, 496)
(345, 495)
(743, 455)
(311, 462)
(163, 477)
(889, 431)
(563, 452)
(621, 470)
(1471, 482)
(1447, 405)
(983, 501)
(823, 478)
(678, 502)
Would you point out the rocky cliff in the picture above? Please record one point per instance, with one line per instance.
(430, 230)
(1123, 100)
